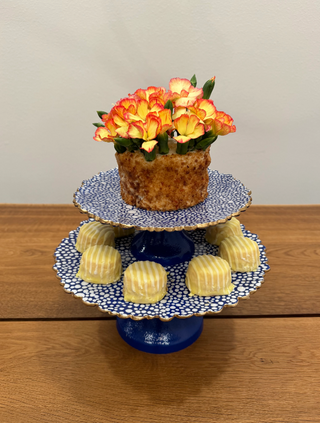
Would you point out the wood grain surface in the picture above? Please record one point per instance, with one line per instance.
(30, 289)
(240, 370)
(30, 235)
(65, 362)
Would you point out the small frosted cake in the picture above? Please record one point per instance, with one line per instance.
(216, 234)
(94, 233)
(144, 282)
(100, 264)
(122, 232)
(209, 275)
(241, 253)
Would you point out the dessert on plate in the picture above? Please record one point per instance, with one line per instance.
(100, 264)
(144, 282)
(216, 234)
(94, 233)
(209, 275)
(241, 253)
(162, 140)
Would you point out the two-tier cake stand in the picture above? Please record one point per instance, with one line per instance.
(169, 238)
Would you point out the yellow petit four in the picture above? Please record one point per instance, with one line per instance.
(100, 264)
(241, 253)
(216, 234)
(144, 282)
(121, 232)
(209, 275)
(94, 233)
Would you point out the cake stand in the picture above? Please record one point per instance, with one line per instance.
(176, 321)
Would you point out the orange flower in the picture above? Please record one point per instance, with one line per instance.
(143, 108)
(222, 124)
(106, 134)
(150, 91)
(188, 127)
(166, 121)
(204, 109)
(184, 94)
(148, 130)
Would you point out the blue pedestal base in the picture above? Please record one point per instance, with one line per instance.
(166, 248)
(157, 337)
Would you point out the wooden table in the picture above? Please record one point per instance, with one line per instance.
(62, 361)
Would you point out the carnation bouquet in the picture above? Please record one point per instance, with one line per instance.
(145, 120)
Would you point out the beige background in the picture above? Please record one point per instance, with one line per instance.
(62, 61)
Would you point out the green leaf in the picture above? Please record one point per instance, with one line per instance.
(208, 88)
(204, 144)
(100, 113)
(198, 139)
(125, 142)
(193, 80)
(137, 141)
(98, 125)
(169, 105)
(191, 145)
(119, 149)
(132, 148)
(208, 134)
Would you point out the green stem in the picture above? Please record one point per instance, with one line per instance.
(182, 148)
(150, 156)
(163, 143)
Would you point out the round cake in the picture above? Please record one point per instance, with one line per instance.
(170, 182)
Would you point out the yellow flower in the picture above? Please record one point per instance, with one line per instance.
(148, 130)
(222, 124)
(184, 94)
(189, 127)
(106, 133)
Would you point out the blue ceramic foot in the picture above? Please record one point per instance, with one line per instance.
(158, 337)
(166, 248)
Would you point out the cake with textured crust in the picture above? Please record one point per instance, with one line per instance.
(170, 182)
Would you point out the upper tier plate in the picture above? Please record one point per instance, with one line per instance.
(100, 198)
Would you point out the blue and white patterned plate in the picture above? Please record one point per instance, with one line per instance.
(177, 302)
(100, 198)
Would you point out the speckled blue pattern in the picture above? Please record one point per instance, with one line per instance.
(177, 302)
(100, 196)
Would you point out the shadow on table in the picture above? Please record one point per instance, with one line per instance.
(170, 377)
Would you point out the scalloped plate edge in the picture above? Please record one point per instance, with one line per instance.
(170, 229)
(247, 297)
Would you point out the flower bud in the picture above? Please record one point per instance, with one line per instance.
(208, 88)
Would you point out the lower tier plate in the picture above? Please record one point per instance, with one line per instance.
(176, 303)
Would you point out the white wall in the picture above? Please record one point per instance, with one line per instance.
(63, 60)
